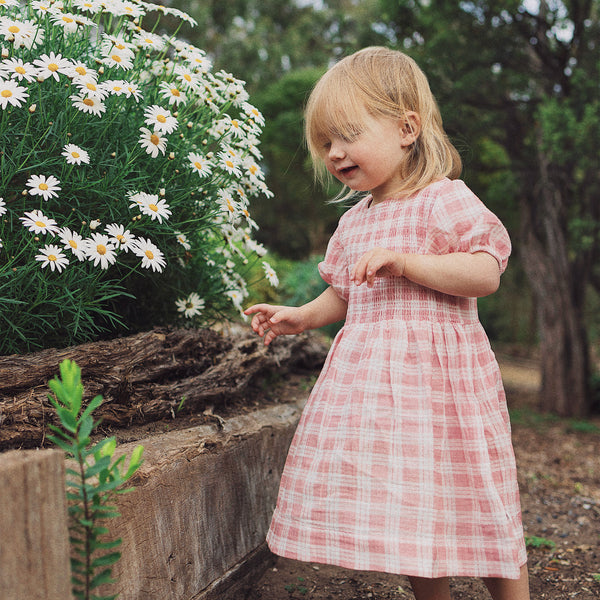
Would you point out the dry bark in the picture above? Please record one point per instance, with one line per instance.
(145, 377)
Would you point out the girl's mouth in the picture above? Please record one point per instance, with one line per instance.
(348, 170)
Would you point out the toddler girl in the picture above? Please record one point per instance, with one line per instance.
(402, 461)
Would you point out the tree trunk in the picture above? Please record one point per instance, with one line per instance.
(559, 292)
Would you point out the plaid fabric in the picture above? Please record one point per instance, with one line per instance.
(402, 461)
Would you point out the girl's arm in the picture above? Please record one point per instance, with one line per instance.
(270, 321)
(457, 274)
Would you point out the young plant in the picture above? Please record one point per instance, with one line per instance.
(91, 484)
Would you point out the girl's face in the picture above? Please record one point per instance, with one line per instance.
(369, 159)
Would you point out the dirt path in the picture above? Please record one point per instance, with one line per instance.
(559, 476)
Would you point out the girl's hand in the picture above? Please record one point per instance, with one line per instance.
(270, 321)
(378, 262)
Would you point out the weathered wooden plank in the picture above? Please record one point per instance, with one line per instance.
(34, 546)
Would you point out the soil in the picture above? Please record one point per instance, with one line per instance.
(558, 465)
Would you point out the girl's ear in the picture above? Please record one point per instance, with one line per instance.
(410, 128)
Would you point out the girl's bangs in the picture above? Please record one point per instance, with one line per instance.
(334, 112)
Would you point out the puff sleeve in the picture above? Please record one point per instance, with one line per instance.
(334, 269)
(460, 222)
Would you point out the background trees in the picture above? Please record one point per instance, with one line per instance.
(517, 82)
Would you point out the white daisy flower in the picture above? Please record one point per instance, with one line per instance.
(81, 72)
(151, 256)
(199, 62)
(148, 41)
(116, 42)
(100, 249)
(191, 306)
(130, 9)
(270, 274)
(200, 164)
(160, 118)
(7, 3)
(67, 21)
(26, 34)
(121, 236)
(150, 205)
(119, 58)
(16, 68)
(37, 222)
(40, 7)
(152, 142)
(75, 155)
(228, 205)
(186, 77)
(53, 256)
(91, 6)
(73, 241)
(172, 93)
(116, 87)
(132, 89)
(89, 87)
(12, 93)
(46, 187)
(3, 209)
(181, 238)
(236, 297)
(228, 164)
(50, 65)
(88, 104)
(253, 113)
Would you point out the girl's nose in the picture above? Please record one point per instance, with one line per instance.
(336, 151)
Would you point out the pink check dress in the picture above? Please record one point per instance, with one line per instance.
(402, 461)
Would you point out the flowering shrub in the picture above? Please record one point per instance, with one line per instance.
(127, 165)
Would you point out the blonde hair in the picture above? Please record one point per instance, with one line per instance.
(377, 81)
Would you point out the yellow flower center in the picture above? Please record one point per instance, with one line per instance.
(53, 67)
(153, 207)
(175, 92)
(120, 238)
(116, 58)
(149, 254)
(253, 169)
(155, 139)
(13, 29)
(88, 102)
(101, 249)
(20, 70)
(6, 93)
(198, 166)
(91, 86)
(40, 223)
(51, 257)
(119, 46)
(161, 118)
(43, 186)
(73, 243)
(67, 19)
(149, 41)
(75, 154)
(230, 206)
(235, 123)
(187, 77)
(80, 71)
(229, 164)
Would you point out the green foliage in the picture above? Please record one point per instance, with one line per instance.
(532, 541)
(126, 173)
(92, 483)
